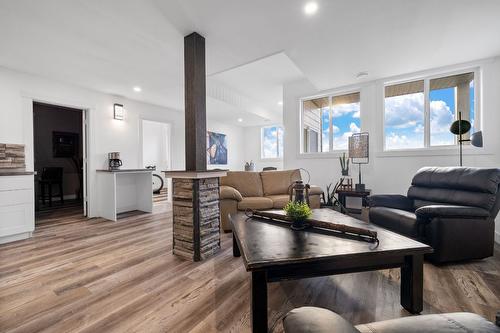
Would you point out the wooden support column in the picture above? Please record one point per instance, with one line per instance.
(195, 102)
(196, 206)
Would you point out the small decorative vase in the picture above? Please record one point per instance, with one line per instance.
(299, 225)
(249, 166)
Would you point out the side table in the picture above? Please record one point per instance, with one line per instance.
(343, 194)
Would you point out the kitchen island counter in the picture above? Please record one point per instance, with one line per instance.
(124, 190)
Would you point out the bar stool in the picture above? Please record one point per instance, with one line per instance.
(51, 176)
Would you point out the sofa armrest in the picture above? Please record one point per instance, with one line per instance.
(315, 190)
(396, 201)
(228, 192)
(431, 211)
(308, 319)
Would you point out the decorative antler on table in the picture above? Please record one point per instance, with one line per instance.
(366, 234)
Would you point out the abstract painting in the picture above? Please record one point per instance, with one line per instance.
(216, 148)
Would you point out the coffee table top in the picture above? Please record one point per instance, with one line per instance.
(264, 244)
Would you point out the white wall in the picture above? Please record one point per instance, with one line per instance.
(392, 172)
(155, 144)
(18, 90)
(252, 144)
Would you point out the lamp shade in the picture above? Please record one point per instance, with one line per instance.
(476, 139)
(358, 145)
(460, 125)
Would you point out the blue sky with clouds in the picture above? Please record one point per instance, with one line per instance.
(272, 142)
(404, 118)
(346, 121)
(404, 122)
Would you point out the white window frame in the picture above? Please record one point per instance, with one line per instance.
(427, 131)
(330, 95)
(262, 158)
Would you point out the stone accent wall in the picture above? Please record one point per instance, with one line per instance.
(196, 218)
(12, 156)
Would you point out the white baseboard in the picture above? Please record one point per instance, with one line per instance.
(13, 238)
(497, 237)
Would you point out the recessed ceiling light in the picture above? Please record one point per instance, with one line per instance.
(361, 75)
(240, 120)
(311, 8)
(137, 89)
(280, 103)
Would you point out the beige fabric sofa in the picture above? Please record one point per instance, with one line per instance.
(241, 190)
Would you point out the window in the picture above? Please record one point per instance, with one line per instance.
(414, 120)
(272, 142)
(448, 96)
(404, 115)
(328, 122)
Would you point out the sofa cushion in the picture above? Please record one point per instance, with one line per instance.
(429, 212)
(458, 322)
(315, 190)
(400, 221)
(452, 196)
(228, 192)
(278, 182)
(255, 203)
(457, 186)
(249, 184)
(280, 200)
(391, 201)
(308, 319)
(484, 180)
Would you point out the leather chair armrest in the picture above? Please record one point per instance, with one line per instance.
(396, 201)
(431, 211)
(314, 190)
(308, 319)
(228, 192)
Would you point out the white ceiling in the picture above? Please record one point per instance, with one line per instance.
(261, 80)
(113, 45)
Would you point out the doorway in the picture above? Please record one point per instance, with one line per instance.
(156, 153)
(59, 155)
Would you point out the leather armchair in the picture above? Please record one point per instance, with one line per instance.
(317, 320)
(451, 209)
(395, 201)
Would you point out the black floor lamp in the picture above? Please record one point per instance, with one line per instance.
(359, 153)
(460, 127)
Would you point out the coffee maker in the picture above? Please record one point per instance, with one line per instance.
(114, 161)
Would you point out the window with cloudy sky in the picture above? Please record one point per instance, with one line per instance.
(405, 123)
(272, 142)
(329, 121)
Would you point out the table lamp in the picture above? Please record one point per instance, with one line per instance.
(359, 154)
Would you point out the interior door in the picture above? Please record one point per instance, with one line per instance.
(84, 162)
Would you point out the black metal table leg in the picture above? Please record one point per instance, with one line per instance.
(259, 302)
(412, 283)
(236, 249)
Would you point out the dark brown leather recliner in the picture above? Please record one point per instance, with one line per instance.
(452, 209)
(309, 319)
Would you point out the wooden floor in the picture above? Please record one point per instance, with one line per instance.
(78, 275)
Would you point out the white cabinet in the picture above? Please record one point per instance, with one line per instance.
(17, 207)
(124, 190)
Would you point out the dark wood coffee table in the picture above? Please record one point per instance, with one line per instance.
(273, 252)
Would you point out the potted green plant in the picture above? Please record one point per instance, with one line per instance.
(344, 164)
(298, 212)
